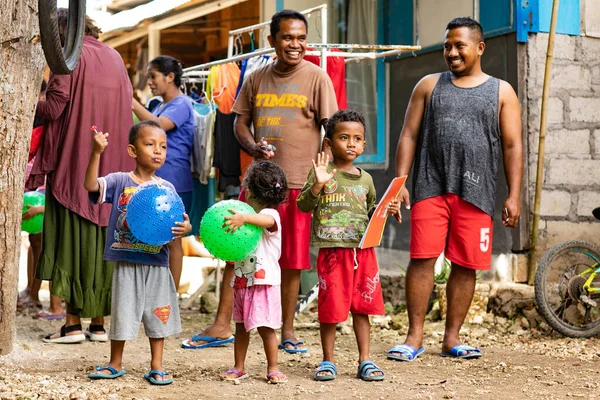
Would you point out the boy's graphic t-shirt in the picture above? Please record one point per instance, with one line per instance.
(262, 266)
(117, 189)
(341, 211)
(286, 109)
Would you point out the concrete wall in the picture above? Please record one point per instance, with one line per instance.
(571, 185)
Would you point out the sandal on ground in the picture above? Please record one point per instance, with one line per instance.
(404, 352)
(96, 337)
(23, 293)
(210, 341)
(26, 302)
(231, 371)
(46, 315)
(150, 377)
(113, 373)
(366, 369)
(64, 338)
(276, 377)
(295, 350)
(462, 351)
(325, 366)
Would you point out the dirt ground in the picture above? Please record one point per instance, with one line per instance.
(516, 364)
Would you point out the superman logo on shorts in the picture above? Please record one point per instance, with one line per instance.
(163, 313)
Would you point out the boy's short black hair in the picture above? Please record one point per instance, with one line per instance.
(285, 14)
(135, 129)
(467, 22)
(343, 116)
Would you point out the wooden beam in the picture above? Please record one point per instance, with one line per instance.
(200, 10)
(153, 43)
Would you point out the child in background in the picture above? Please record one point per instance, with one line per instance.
(342, 199)
(257, 280)
(142, 287)
(30, 296)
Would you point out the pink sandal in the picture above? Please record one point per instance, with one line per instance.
(276, 377)
(238, 375)
(46, 315)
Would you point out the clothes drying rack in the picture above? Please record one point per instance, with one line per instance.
(353, 53)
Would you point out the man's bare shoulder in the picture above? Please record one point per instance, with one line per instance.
(507, 93)
(426, 85)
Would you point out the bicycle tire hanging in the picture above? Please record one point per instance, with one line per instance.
(62, 61)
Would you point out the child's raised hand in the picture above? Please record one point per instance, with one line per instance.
(182, 228)
(235, 221)
(320, 169)
(100, 142)
(32, 211)
(393, 208)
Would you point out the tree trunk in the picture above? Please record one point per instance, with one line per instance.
(21, 68)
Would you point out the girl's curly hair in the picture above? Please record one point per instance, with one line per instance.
(267, 183)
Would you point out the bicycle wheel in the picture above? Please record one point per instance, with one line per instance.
(62, 61)
(559, 286)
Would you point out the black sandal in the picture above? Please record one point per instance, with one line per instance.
(64, 338)
(96, 337)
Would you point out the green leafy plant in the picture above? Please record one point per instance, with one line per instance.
(442, 276)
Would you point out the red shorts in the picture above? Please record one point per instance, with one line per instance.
(344, 289)
(450, 224)
(295, 233)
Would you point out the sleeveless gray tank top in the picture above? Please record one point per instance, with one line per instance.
(459, 142)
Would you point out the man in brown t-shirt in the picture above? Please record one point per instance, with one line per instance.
(286, 102)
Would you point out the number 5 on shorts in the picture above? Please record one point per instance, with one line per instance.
(484, 240)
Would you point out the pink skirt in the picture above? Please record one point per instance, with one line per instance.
(257, 306)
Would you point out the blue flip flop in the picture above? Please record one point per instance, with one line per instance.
(325, 366)
(462, 351)
(113, 373)
(210, 342)
(295, 350)
(149, 376)
(366, 368)
(407, 352)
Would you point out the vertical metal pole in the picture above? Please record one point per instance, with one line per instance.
(230, 46)
(324, 24)
(324, 36)
(539, 179)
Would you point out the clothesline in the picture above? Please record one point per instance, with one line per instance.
(352, 56)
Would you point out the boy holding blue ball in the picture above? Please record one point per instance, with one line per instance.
(142, 288)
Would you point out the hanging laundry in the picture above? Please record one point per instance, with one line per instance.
(249, 65)
(336, 69)
(227, 151)
(223, 82)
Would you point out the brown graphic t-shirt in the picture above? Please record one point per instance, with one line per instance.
(286, 109)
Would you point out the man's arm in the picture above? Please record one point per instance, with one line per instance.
(246, 139)
(512, 149)
(57, 97)
(407, 145)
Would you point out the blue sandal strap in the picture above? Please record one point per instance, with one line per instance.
(366, 368)
(107, 368)
(326, 366)
(295, 344)
(161, 374)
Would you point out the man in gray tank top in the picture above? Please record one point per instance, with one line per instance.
(455, 123)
